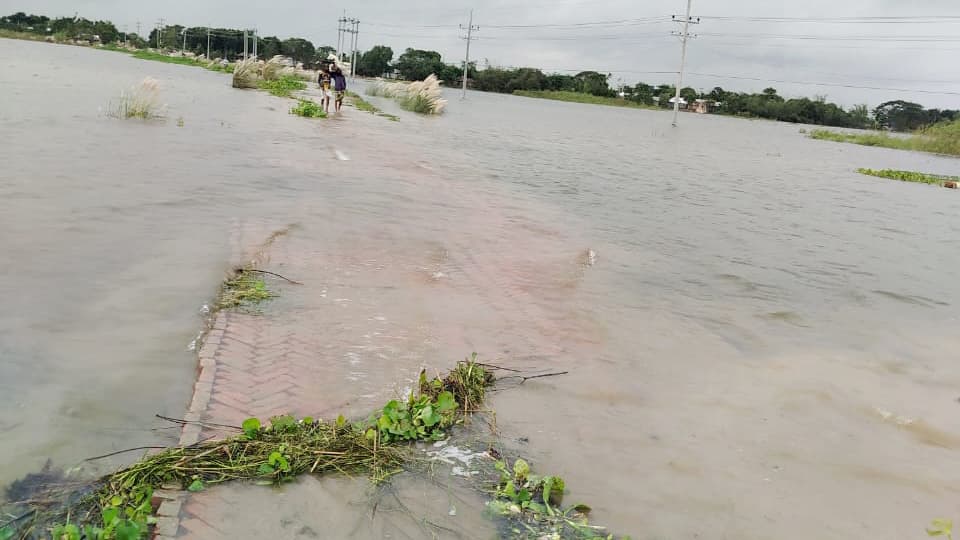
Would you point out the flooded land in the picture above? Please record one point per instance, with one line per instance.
(761, 342)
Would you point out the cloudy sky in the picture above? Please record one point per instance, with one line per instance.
(741, 44)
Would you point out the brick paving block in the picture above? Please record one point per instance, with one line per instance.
(168, 526)
(170, 508)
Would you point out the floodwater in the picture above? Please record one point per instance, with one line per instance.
(761, 343)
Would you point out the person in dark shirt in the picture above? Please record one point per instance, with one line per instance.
(339, 85)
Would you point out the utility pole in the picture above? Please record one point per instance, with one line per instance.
(183, 50)
(355, 31)
(466, 60)
(687, 21)
(138, 30)
(255, 40)
(341, 28)
(245, 42)
(160, 33)
(208, 43)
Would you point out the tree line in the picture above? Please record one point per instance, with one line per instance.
(417, 64)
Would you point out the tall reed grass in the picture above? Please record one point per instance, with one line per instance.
(246, 74)
(142, 101)
(276, 68)
(424, 97)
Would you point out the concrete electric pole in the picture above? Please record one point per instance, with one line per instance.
(160, 34)
(466, 61)
(684, 36)
(355, 31)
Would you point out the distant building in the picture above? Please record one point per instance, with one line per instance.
(704, 106)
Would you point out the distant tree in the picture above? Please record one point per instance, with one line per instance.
(375, 62)
(860, 116)
(689, 94)
(558, 82)
(900, 115)
(594, 83)
(269, 47)
(717, 94)
(642, 93)
(418, 64)
(299, 49)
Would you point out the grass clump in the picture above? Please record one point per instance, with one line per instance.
(363, 105)
(308, 109)
(910, 176)
(285, 86)
(424, 97)
(159, 57)
(940, 138)
(579, 97)
(142, 101)
(245, 289)
(246, 74)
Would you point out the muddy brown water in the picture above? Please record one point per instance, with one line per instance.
(761, 345)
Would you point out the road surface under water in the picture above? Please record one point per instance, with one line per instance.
(761, 342)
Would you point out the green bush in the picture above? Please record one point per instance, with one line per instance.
(308, 109)
(284, 86)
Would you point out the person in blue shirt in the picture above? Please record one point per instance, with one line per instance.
(339, 85)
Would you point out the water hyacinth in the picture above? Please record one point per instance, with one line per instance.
(424, 96)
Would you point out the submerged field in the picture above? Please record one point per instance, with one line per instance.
(942, 138)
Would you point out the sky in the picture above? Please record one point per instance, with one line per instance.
(744, 45)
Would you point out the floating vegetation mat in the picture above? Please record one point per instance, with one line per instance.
(118, 506)
(910, 176)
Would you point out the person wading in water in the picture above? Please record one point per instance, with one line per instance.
(324, 81)
(339, 85)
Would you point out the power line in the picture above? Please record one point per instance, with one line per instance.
(838, 85)
(892, 39)
(914, 19)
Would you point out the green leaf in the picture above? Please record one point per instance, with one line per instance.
(274, 458)
(429, 418)
(940, 527)
(524, 495)
(283, 422)
(250, 427)
(6, 533)
(308, 420)
(129, 530)
(521, 469)
(109, 515)
(371, 434)
(196, 485)
(265, 469)
(446, 402)
(341, 421)
(547, 488)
